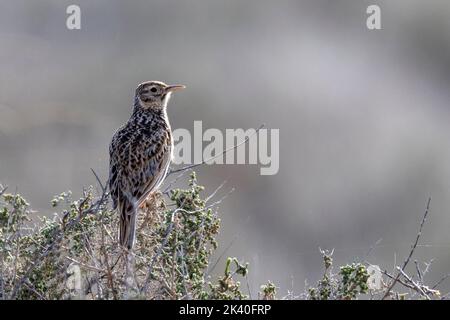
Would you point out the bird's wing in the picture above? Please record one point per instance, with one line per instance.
(155, 168)
(158, 177)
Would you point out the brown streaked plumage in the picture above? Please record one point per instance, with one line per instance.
(140, 154)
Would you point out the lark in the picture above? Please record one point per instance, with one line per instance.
(140, 155)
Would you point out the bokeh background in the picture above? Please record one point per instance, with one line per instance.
(363, 116)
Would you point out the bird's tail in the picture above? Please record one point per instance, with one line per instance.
(127, 227)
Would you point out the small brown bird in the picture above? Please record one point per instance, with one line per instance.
(140, 154)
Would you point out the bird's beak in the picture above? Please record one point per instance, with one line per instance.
(175, 87)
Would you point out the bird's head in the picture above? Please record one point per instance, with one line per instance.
(155, 94)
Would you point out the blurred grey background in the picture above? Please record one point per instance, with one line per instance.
(363, 116)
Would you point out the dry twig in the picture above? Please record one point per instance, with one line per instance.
(413, 248)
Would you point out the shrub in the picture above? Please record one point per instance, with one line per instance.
(75, 254)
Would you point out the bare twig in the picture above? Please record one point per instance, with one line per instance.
(104, 187)
(169, 186)
(33, 289)
(372, 248)
(419, 272)
(215, 191)
(413, 248)
(144, 288)
(418, 288)
(248, 287)
(109, 273)
(437, 284)
(86, 266)
(221, 256)
(191, 166)
(386, 273)
(407, 285)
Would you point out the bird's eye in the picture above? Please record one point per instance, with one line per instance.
(153, 89)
